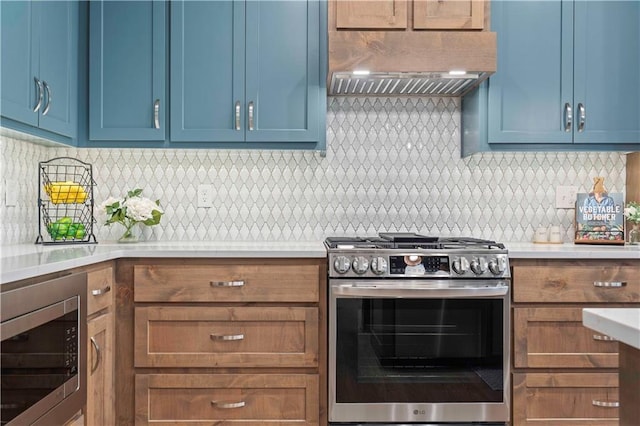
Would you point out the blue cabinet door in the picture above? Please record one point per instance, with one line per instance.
(40, 65)
(533, 84)
(127, 70)
(282, 71)
(207, 71)
(19, 60)
(59, 66)
(607, 71)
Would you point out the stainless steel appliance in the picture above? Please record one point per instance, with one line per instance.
(418, 330)
(43, 356)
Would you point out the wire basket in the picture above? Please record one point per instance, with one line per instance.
(65, 202)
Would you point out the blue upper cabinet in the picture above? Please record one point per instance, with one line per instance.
(568, 79)
(207, 70)
(248, 71)
(127, 68)
(40, 66)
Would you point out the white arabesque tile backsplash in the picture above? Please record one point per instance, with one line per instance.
(392, 164)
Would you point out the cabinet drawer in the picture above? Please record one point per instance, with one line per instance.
(567, 399)
(576, 281)
(242, 399)
(177, 336)
(227, 283)
(99, 289)
(555, 337)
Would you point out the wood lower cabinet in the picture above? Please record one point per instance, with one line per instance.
(222, 341)
(241, 399)
(565, 374)
(100, 408)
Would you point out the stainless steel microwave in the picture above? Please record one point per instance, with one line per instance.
(42, 351)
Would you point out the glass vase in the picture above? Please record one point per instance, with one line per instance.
(634, 234)
(131, 234)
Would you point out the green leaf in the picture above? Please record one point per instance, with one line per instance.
(135, 193)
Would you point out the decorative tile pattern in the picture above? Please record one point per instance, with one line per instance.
(392, 164)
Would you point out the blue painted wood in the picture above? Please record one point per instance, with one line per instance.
(40, 40)
(207, 70)
(19, 60)
(283, 69)
(607, 71)
(127, 70)
(59, 25)
(534, 78)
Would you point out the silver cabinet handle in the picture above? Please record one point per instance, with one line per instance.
(48, 89)
(604, 338)
(219, 404)
(606, 404)
(251, 115)
(614, 284)
(94, 367)
(582, 117)
(226, 337)
(568, 117)
(101, 291)
(237, 115)
(156, 114)
(40, 94)
(226, 283)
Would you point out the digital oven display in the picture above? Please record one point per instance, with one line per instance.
(414, 264)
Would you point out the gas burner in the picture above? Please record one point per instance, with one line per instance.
(410, 241)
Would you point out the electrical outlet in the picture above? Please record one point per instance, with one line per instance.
(566, 197)
(205, 196)
(10, 192)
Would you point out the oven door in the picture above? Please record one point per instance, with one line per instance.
(419, 351)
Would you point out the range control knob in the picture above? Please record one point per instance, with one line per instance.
(478, 265)
(378, 265)
(460, 265)
(341, 264)
(497, 266)
(360, 265)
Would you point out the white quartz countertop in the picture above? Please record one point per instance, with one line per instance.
(623, 324)
(23, 261)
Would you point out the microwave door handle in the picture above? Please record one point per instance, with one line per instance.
(382, 291)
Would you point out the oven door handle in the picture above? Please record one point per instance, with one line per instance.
(400, 291)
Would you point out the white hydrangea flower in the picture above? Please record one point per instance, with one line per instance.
(140, 208)
(101, 209)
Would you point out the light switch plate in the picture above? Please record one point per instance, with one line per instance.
(566, 197)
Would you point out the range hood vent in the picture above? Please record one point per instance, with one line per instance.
(404, 83)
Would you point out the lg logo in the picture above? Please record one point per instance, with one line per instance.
(418, 412)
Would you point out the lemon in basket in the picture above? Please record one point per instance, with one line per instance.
(65, 192)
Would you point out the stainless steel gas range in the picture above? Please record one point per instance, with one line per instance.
(418, 330)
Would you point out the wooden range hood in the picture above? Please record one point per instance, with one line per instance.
(406, 58)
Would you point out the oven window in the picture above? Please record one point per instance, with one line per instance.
(36, 362)
(419, 350)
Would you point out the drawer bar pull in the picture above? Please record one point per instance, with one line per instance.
(227, 283)
(101, 291)
(227, 337)
(606, 404)
(609, 283)
(219, 404)
(604, 338)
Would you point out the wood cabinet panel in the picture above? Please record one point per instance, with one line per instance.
(242, 399)
(226, 337)
(100, 371)
(448, 15)
(556, 338)
(567, 399)
(100, 290)
(375, 14)
(551, 281)
(227, 283)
